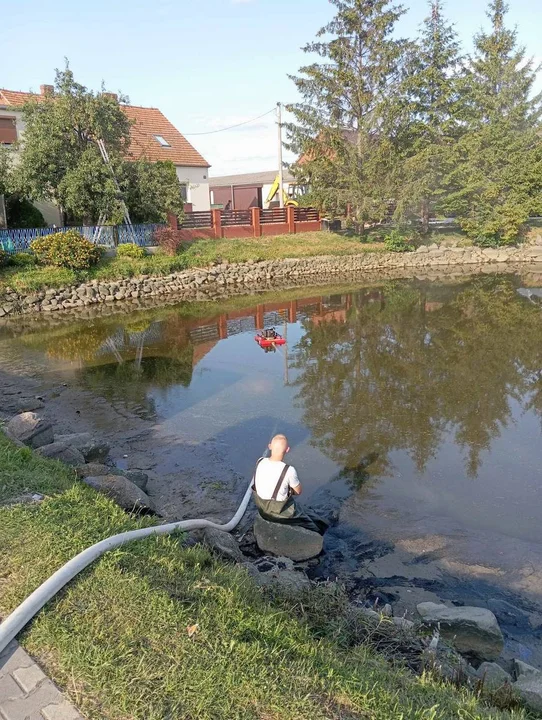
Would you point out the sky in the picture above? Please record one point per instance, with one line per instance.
(207, 64)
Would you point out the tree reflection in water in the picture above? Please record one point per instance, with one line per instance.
(403, 373)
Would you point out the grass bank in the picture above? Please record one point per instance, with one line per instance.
(199, 254)
(156, 630)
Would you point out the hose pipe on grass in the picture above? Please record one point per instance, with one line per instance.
(22, 615)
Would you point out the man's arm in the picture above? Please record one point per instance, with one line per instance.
(293, 481)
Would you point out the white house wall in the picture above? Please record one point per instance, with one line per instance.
(197, 182)
(49, 210)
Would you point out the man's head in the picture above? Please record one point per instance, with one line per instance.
(279, 447)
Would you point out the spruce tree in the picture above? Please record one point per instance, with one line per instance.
(497, 178)
(429, 116)
(340, 133)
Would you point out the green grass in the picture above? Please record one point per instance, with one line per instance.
(199, 254)
(117, 641)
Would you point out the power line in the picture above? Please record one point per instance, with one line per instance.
(231, 127)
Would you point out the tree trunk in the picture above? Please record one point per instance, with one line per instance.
(425, 216)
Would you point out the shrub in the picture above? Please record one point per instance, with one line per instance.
(397, 242)
(4, 258)
(169, 240)
(67, 249)
(22, 259)
(22, 214)
(131, 250)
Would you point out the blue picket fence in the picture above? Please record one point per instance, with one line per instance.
(19, 240)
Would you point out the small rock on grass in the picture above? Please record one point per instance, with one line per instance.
(63, 452)
(93, 450)
(121, 490)
(493, 676)
(522, 668)
(31, 430)
(223, 543)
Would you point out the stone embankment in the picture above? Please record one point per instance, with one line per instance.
(227, 279)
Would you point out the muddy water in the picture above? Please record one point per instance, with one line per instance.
(413, 408)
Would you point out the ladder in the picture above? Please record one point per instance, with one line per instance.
(127, 221)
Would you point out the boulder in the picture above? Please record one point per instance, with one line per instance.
(529, 688)
(223, 543)
(521, 668)
(472, 631)
(31, 430)
(92, 450)
(28, 404)
(96, 469)
(288, 580)
(493, 676)
(293, 542)
(63, 452)
(121, 490)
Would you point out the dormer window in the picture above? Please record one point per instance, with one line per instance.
(163, 142)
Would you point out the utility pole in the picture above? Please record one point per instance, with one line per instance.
(281, 178)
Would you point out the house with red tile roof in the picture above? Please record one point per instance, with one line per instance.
(153, 137)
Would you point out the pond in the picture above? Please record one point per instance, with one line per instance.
(414, 407)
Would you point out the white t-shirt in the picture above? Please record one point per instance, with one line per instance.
(267, 477)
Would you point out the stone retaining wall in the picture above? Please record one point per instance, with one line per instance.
(225, 279)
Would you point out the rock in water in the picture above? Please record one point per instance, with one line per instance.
(63, 452)
(529, 688)
(293, 542)
(471, 630)
(31, 430)
(121, 490)
(493, 676)
(138, 477)
(223, 543)
(92, 450)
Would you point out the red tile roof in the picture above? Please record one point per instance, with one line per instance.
(147, 123)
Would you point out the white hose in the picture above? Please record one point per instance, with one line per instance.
(16, 621)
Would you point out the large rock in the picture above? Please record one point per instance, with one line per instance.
(223, 543)
(31, 430)
(522, 668)
(293, 542)
(63, 452)
(493, 676)
(121, 490)
(529, 688)
(92, 450)
(96, 470)
(471, 630)
(278, 572)
(138, 477)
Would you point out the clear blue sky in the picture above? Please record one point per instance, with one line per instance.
(205, 63)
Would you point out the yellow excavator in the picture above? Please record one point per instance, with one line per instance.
(289, 197)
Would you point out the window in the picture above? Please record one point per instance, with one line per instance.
(184, 192)
(163, 142)
(8, 131)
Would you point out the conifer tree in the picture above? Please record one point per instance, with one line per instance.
(341, 132)
(430, 122)
(497, 178)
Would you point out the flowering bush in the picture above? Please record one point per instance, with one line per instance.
(131, 250)
(169, 239)
(67, 249)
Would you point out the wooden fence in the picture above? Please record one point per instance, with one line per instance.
(247, 223)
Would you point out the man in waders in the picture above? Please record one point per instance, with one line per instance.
(275, 487)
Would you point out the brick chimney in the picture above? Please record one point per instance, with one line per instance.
(47, 89)
(111, 95)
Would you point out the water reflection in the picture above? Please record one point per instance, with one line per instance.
(403, 373)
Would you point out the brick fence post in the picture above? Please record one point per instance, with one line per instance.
(290, 219)
(172, 221)
(256, 224)
(217, 223)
